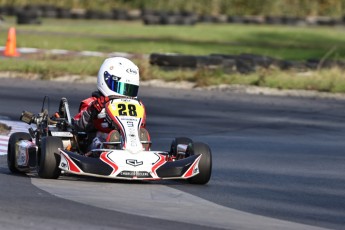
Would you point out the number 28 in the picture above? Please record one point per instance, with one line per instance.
(129, 110)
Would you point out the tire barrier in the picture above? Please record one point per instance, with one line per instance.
(172, 60)
(63, 13)
(94, 14)
(243, 63)
(28, 17)
(168, 18)
(129, 15)
(49, 11)
(154, 17)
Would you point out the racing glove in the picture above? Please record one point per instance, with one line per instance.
(100, 103)
(97, 105)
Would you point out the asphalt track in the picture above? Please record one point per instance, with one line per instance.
(278, 163)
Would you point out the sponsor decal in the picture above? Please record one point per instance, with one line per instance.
(128, 119)
(131, 71)
(133, 162)
(130, 124)
(63, 165)
(134, 174)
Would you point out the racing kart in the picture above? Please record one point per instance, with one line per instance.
(52, 145)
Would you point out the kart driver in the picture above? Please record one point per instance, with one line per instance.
(117, 77)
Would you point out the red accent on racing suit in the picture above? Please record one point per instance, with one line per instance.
(84, 122)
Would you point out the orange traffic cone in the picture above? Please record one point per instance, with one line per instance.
(11, 50)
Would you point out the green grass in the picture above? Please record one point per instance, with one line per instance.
(48, 67)
(294, 43)
(52, 66)
(330, 80)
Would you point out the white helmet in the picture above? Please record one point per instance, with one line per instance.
(119, 77)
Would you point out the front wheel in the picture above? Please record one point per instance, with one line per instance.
(205, 163)
(174, 151)
(49, 159)
(11, 150)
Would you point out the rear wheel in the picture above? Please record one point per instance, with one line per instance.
(205, 163)
(49, 158)
(11, 150)
(179, 141)
(145, 138)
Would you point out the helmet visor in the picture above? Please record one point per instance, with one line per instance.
(120, 87)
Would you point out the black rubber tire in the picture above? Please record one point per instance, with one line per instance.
(28, 17)
(11, 150)
(205, 163)
(177, 141)
(145, 136)
(206, 61)
(49, 11)
(49, 158)
(63, 13)
(119, 14)
(151, 19)
(189, 20)
(173, 60)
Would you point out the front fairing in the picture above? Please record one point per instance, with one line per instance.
(122, 164)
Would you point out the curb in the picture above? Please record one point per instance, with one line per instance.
(16, 126)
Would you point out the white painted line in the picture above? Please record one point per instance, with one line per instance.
(3, 148)
(120, 54)
(58, 51)
(27, 50)
(3, 143)
(92, 53)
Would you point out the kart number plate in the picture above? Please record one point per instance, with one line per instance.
(123, 108)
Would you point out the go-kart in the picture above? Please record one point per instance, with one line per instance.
(55, 146)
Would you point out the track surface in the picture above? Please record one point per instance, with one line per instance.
(277, 157)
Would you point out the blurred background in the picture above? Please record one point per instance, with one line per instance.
(289, 8)
(258, 11)
(285, 44)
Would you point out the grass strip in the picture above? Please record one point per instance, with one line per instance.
(50, 66)
(284, 42)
